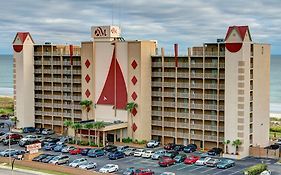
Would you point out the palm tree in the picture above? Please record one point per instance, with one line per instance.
(15, 120)
(226, 142)
(89, 126)
(129, 107)
(67, 124)
(98, 125)
(87, 105)
(76, 127)
(236, 143)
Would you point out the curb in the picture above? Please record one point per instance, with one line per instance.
(2, 166)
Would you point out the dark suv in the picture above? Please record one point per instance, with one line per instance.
(28, 129)
(190, 148)
(169, 146)
(215, 151)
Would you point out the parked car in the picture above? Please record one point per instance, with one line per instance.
(63, 140)
(75, 151)
(129, 171)
(11, 136)
(47, 140)
(116, 155)
(48, 158)
(48, 132)
(215, 151)
(29, 139)
(19, 154)
(110, 148)
(39, 130)
(202, 160)
(139, 152)
(109, 168)
(158, 154)
(169, 146)
(190, 148)
(12, 141)
(49, 146)
(225, 163)
(191, 159)
(2, 133)
(152, 144)
(8, 152)
(88, 165)
(180, 158)
(148, 154)
(40, 157)
(166, 161)
(179, 147)
(77, 162)
(58, 148)
(57, 160)
(67, 149)
(142, 171)
(4, 136)
(266, 172)
(171, 153)
(96, 152)
(212, 162)
(122, 148)
(28, 129)
(168, 173)
(129, 151)
(85, 151)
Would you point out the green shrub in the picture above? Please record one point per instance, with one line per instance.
(84, 143)
(127, 140)
(275, 129)
(101, 145)
(71, 142)
(93, 144)
(256, 169)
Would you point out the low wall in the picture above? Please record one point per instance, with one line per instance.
(264, 153)
(46, 166)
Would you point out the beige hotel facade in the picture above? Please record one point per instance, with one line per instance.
(216, 92)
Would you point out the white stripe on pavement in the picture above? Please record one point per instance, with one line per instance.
(209, 169)
(227, 169)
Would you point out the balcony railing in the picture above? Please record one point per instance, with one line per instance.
(196, 136)
(183, 85)
(156, 64)
(169, 114)
(169, 133)
(182, 114)
(183, 75)
(196, 65)
(169, 74)
(156, 93)
(183, 125)
(156, 74)
(169, 94)
(183, 65)
(156, 122)
(169, 104)
(196, 96)
(169, 64)
(196, 116)
(169, 124)
(196, 75)
(156, 113)
(156, 132)
(169, 84)
(211, 65)
(210, 86)
(182, 105)
(210, 75)
(156, 103)
(210, 106)
(210, 96)
(196, 85)
(196, 106)
(37, 62)
(38, 120)
(196, 126)
(156, 84)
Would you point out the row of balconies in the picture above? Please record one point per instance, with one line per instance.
(58, 88)
(186, 85)
(55, 53)
(186, 75)
(57, 105)
(185, 105)
(186, 65)
(186, 95)
(58, 97)
(187, 115)
(57, 71)
(186, 135)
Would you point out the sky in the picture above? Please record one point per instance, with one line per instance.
(186, 22)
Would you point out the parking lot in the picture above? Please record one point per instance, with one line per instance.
(179, 168)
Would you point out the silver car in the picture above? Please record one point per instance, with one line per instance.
(59, 160)
(129, 151)
(89, 165)
(158, 154)
(77, 162)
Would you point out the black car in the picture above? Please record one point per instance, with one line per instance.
(110, 148)
(2, 133)
(171, 153)
(28, 142)
(190, 148)
(40, 157)
(180, 158)
(85, 151)
(28, 129)
(12, 141)
(48, 158)
(215, 151)
(39, 130)
(178, 147)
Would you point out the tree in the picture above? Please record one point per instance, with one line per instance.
(15, 120)
(236, 143)
(226, 142)
(129, 107)
(98, 125)
(76, 127)
(67, 124)
(89, 126)
(87, 105)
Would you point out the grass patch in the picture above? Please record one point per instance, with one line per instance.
(6, 105)
(39, 170)
(274, 135)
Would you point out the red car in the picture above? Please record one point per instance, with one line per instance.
(14, 136)
(169, 146)
(142, 171)
(75, 151)
(191, 159)
(166, 161)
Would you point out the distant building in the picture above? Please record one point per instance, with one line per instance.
(217, 92)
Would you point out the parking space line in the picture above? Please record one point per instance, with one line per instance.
(183, 167)
(209, 169)
(227, 169)
(239, 171)
(196, 168)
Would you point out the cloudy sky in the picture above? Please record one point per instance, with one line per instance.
(185, 22)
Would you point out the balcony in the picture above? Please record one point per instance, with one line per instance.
(67, 97)
(38, 62)
(210, 107)
(47, 71)
(182, 135)
(183, 75)
(169, 64)
(48, 79)
(156, 94)
(196, 136)
(196, 106)
(156, 74)
(182, 105)
(183, 125)
(196, 126)
(210, 86)
(196, 96)
(38, 112)
(49, 122)
(210, 75)
(49, 88)
(196, 65)
(56, 122)
(157, 103)
(77, 72)
(156, 113)
(77, 115)
(66, 71)
(76, 89)
(211, 138)
(56, 63)
(69, 106)
(48, 105)
(156, 132)
(38, 95)
(156, 84)
(169, 74)
(221, 76)
(182, 114)
(77, 107)
(221, 65)
(57, 88)
(196, 85)
(169, 133)
(76, 80)
(76, 63)
(156, 64)
(38, 120)
(47, 62)
(38, 71)
(183, 85)
(196, 75)
(38, 87)
(169, 114)
(57, 71)
(211, 65)
(169, 94)
(77, 98)
(221, 97)
(37, 53)
(221, 86)
(210, 96)
(169, 124)
(169, 104)
(221, 107)
(67, 80)
(183, 65)
(169, 84)
(196, 116)
(210, 117)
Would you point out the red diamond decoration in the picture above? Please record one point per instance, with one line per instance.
(134, 80)
(134, 96)
(134, 127)
(134, 64)
(134, 112)
(87, 93)
(87, 78)
(87, 63)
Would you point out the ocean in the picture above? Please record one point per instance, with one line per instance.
(6, 80)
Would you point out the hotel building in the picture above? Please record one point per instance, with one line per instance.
(216, 92)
